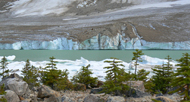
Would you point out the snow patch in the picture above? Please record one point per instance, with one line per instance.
(152, 26)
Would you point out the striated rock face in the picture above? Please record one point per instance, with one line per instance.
(11, 96)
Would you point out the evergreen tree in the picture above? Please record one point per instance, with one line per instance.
(63, 82)
(142, 75)
(30, 74)
(2, 92)
(51, 74)
(149, 86)
(137, 57)
(169, 73)
(84, 77)
(182, 80)
(53, 77)
(115, 78)
(163, 76)
(5, 71)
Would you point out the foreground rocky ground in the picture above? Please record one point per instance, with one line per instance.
(18, 91)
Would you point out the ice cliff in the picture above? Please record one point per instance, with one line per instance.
(95, 43)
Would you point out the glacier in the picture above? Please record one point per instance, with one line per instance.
(98, 42)
(97, 67)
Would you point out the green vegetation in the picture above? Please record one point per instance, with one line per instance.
(154, 100)
(163, 77)
(142, 75)
(182, 80)
(4, 70)
(54, 78)
(84, 77)
(137, 57)
(163, 80)
(30, 74)
(2, 92)
(115, 78)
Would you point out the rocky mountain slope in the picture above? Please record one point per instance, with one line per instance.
(163, 24)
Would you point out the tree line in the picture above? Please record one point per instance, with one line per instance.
(165, 79)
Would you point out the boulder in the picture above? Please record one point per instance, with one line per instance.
(174, 96)
(94, 98)
(15, 83)
(11, 96)
(67, 99)
(80, 87)
(136, 93)
(116, 99)
(96, 90)
(14, 75)
(49, 94)
(6, 79)
(34, 99)
(52, 99)
(138, 85)
(19, 87)
(142, 99)
(164, 99)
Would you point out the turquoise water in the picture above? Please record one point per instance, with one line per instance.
(96, 55)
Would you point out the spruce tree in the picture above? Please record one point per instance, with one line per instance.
(169, 73)
(84, 77)
(4, 69)
(2, 92)
(137, 57)
(149, 86)
(163, 76)
(51, 74)
(115, 78)
(30, 74)
(53, 77)
(63, 82)
(142, 75)
(182, 80)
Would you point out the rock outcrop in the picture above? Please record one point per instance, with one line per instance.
(96, 90)
(19, 87)
(11, 96)
(48, 94)
(116, 99)
(164, 99)
(16, 88)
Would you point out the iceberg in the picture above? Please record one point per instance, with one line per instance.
(97, 67)
(9, 58)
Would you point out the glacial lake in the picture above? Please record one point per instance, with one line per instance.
(93, 55)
